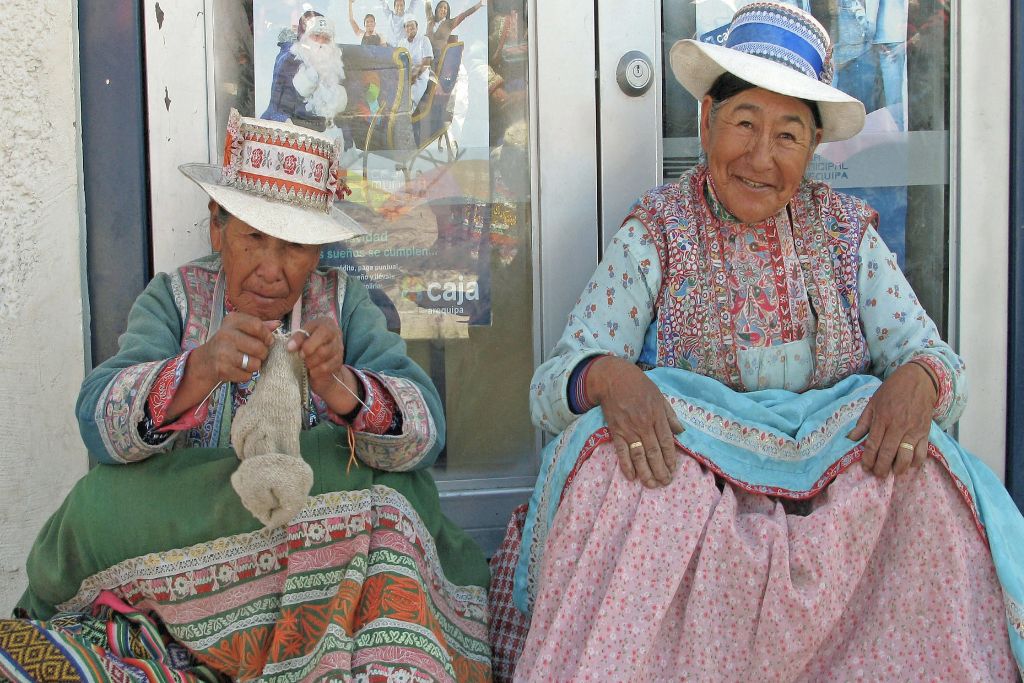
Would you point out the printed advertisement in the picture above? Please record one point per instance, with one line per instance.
(403, 85)
(869, 40)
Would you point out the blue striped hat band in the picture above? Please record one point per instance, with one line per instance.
(782, 35)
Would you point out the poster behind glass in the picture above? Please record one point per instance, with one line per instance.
(403, 84)
(444, 193)
(892, 56)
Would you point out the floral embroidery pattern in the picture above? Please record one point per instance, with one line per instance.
(903, 331)
(686, 581)
(378, 412)
(702, 319)
(289, 164)
(118, 413)
(1014, 613)
(164, 387)
(753, 271)
(404, 451)
(544, 507)
(193, 288)
(765, 443)
(740, 435)
(944, 404)
(196, 286)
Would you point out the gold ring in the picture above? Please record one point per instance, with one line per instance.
(908, 446)
(636, 444)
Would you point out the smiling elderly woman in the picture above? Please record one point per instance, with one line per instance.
(350, 569)
(746, 342)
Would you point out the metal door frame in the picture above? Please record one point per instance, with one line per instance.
(979, 209)
(114, 167)
(1015, 375)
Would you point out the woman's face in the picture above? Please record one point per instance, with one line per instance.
(758, 147)
(265, 275)
(442, 10)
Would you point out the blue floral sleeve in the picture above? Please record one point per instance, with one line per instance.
(898, 329)
(611, 317)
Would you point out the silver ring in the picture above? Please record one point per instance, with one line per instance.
(301, 331)
(245, 361)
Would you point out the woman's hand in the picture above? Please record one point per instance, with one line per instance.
(640, 419)
(236, 351)
(233, 354)
(320, 344)
(900, 412)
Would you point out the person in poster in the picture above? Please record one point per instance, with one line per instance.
(440, 24)
(421, 54)
(890, 42)
(368, 34)
(856, 60)
(308, 77)
(395, 19)
(871, 54)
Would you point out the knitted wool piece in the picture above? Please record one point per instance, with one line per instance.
(273, 480)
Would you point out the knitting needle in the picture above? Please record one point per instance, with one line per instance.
(215, 388)
(354, 394)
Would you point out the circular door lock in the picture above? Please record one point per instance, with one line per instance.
(635, 73)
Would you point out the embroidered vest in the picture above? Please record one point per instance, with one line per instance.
(694, 326)
(193, 287)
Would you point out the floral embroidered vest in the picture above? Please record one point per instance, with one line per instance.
(193, 286)
(694, 326)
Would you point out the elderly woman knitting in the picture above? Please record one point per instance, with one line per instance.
(752, 481)
(323, 555)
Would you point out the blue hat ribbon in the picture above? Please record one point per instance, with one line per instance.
(772, 32)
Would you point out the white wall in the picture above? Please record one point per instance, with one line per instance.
(42, 357)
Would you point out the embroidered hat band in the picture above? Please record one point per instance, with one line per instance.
(280, 179)
(292, 166)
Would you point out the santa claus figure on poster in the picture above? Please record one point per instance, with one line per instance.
(308, 77)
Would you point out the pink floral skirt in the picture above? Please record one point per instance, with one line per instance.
(873, 580)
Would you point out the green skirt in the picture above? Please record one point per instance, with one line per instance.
(369, 581)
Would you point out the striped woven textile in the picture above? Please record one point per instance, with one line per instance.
(369, 583)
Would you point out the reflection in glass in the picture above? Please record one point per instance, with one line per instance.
(893, 55)
(430, 102)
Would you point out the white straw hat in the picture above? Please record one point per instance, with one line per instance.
(280, 179)
(779, 48)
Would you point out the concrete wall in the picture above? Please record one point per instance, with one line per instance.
(42, 356)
